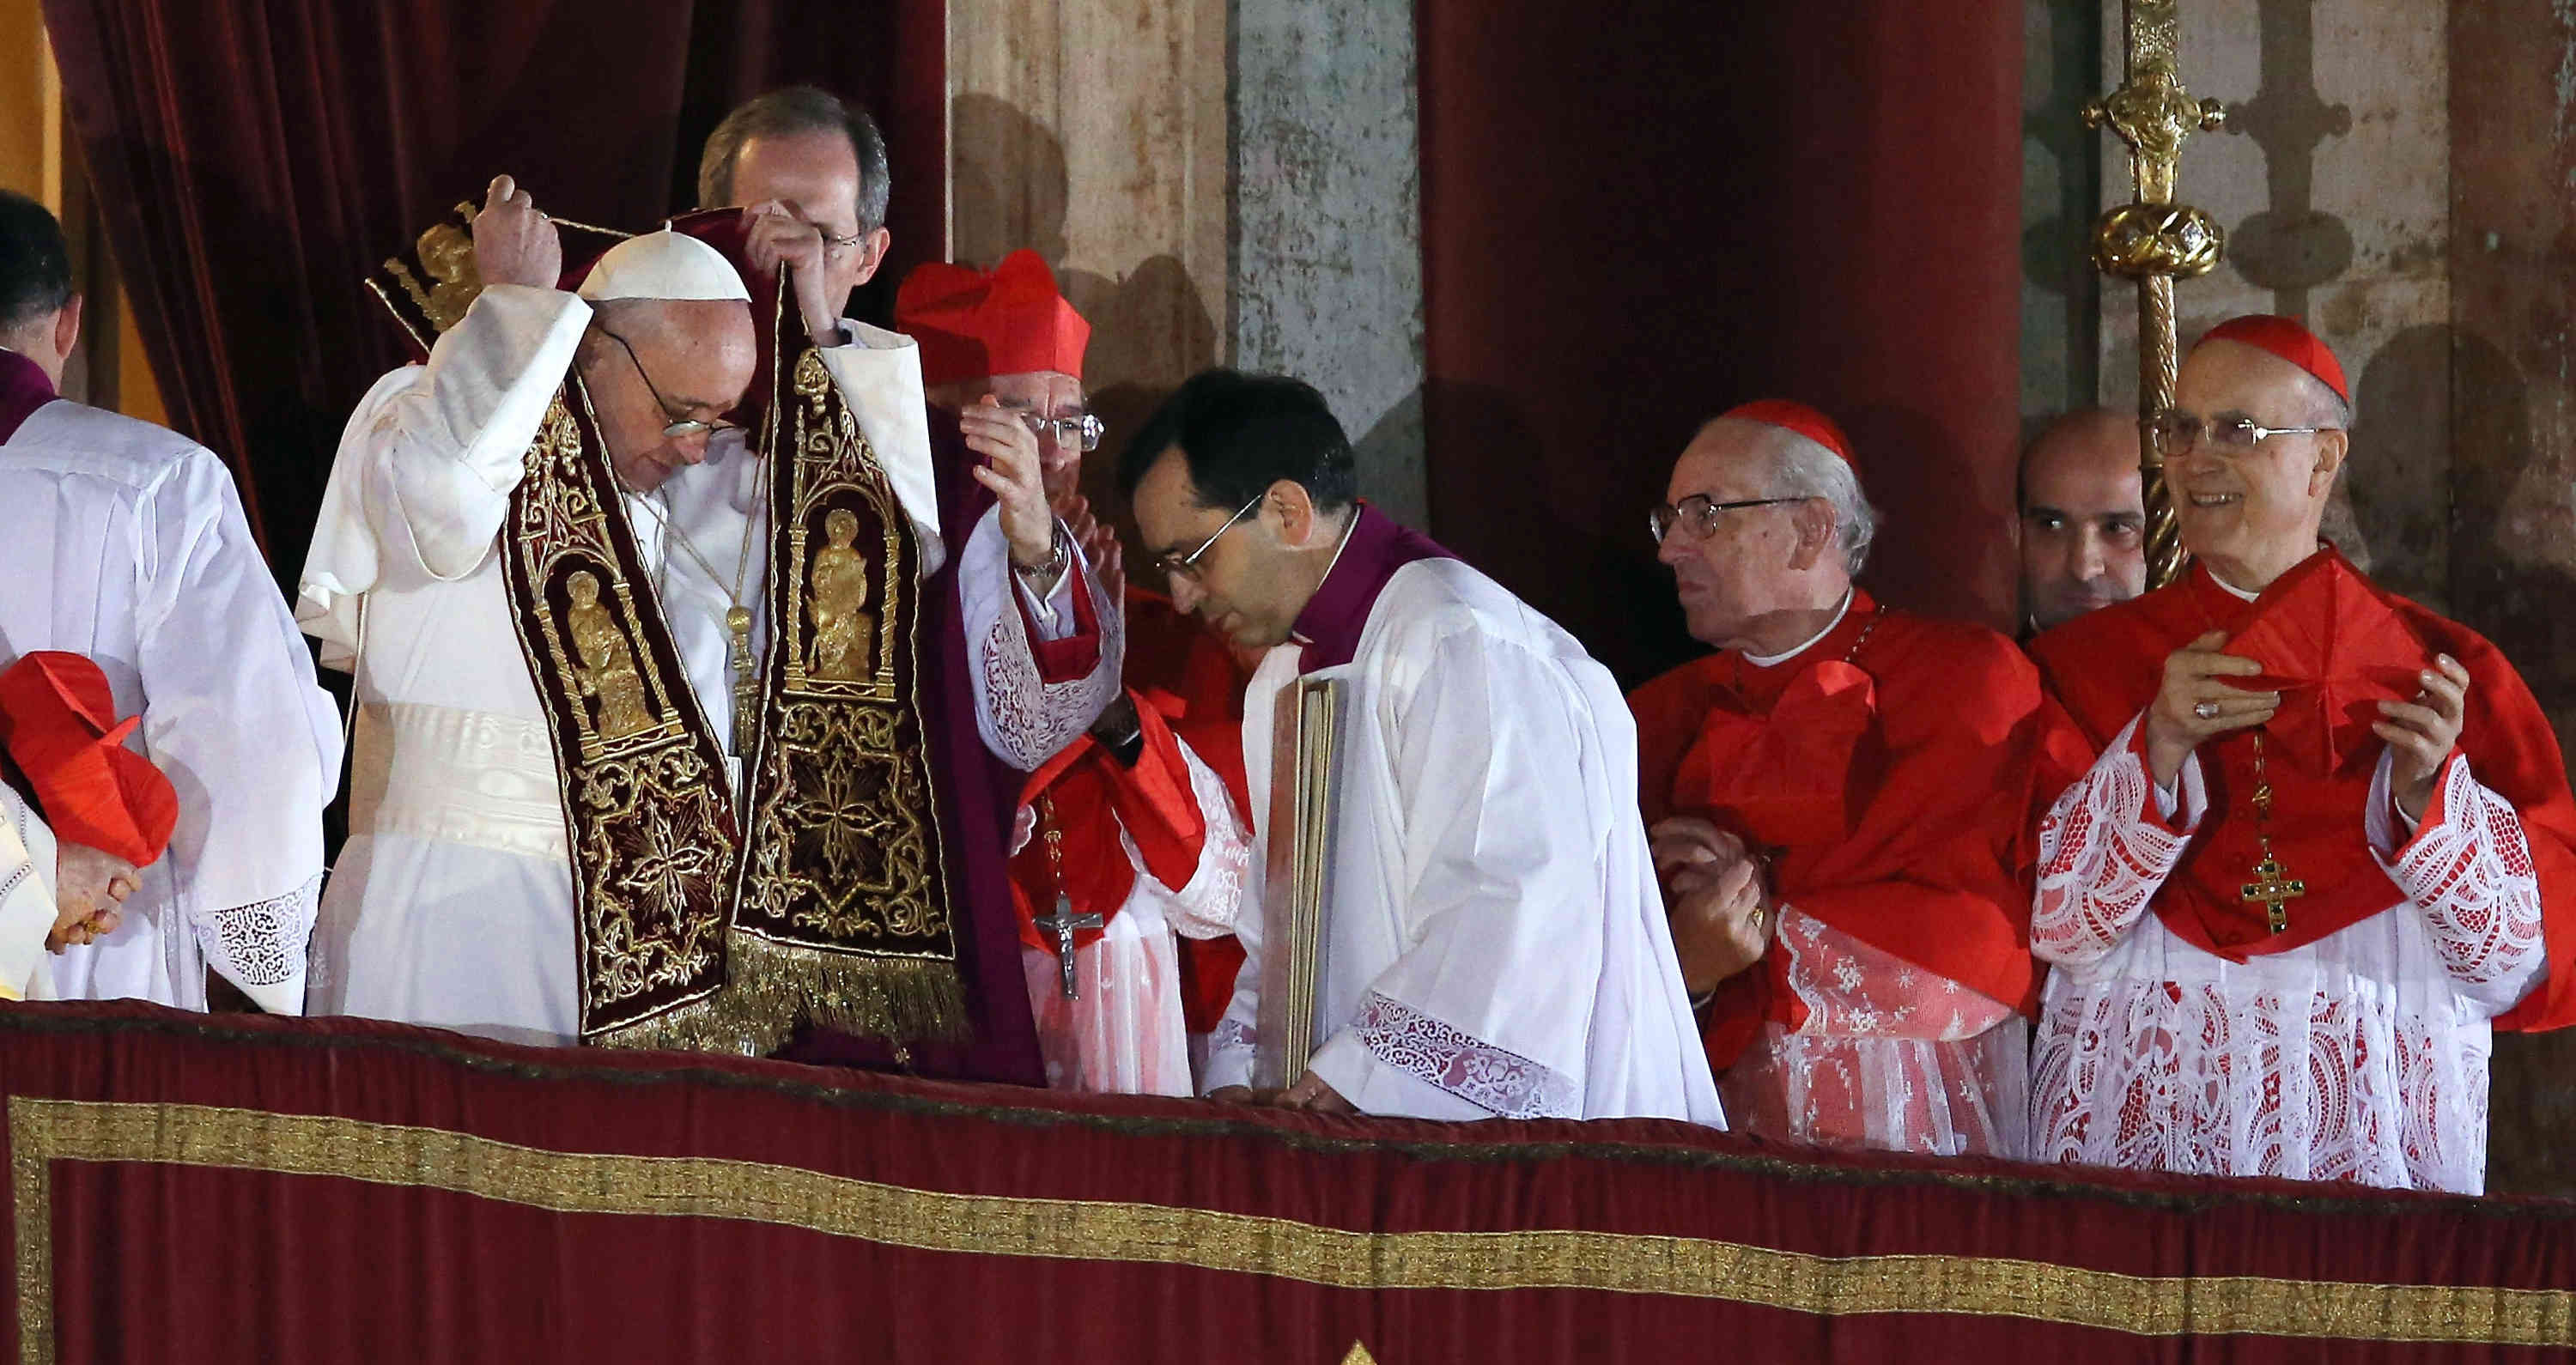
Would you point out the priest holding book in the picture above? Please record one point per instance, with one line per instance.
(2326, 848)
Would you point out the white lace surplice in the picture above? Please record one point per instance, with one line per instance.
(451, 905)
(1891, 1056)
(2361, 1057)
(1496, 944)
(126, 543)
(1126, 1033)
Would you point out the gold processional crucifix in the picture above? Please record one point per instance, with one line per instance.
(2154, 240)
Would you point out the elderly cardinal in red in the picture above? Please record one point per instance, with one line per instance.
(1842, 800)
(2327, 844)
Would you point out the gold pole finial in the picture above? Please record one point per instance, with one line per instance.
(2154, 240)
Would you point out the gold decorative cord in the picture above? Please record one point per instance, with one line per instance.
(44, 1131)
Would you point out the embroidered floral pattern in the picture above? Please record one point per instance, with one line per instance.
(1031, 718)
(1475, 1071)
(2360, 1060)
(2472, 873)
(2099, 862)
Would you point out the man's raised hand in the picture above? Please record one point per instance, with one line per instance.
(2197, 704)
(2422, 733)
(997, 433)
(775, 237)
(513, 243)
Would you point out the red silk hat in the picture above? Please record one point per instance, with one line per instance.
(1797, 417)
(2287, 338)
(971, 324)
(58, 719)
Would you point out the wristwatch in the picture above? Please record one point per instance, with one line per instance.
(1127, 744)
(1046, 571)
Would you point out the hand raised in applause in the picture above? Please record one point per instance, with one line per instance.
(2422, 733)
(2196, 704)
(999, 435)
(777, 237)
(89, 885)
(513, 243)
(1100, 549)
(1721, 909)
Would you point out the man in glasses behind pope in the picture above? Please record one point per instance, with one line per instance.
(2327, 844)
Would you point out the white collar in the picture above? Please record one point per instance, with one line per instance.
(1767, 660)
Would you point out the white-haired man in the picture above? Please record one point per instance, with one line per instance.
(617, 780)
(1839, 800)
(2327, 843)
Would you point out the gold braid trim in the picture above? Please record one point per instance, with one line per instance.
(771, 988)
(43, 1131)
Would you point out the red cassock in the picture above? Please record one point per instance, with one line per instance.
(1894, 772)
(2335, 645)
(1187, 689)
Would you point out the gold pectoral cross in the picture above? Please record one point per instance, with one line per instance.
(2275, 889)
(2272, 884)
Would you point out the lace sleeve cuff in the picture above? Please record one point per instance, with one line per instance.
(2104, 852)
(1230, 1055)
(260, 947)
(2468, 869)
(1407, 1041)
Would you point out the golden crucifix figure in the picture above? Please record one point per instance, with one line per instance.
(2154, 240)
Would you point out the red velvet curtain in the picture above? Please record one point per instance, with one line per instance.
(254, 159)
(194, 1189)
(1638, 215)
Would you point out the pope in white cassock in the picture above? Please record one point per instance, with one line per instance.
(455, 903)
(1493, 941)
(125, 542)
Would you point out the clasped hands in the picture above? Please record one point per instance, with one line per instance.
(1719, 899)
(89, 885)
(2197, 704)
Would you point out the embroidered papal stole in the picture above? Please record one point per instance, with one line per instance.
(827, 901)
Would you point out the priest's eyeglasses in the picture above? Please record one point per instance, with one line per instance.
(1081, 432)
(2177, 431)
(680, 429)
(1699, 512)
(1187, 566)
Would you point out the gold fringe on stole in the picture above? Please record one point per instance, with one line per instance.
(772, 988)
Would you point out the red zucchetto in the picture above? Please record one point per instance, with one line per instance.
(2287, 338)
(971, 324)
(1797, 417)
(58, 719)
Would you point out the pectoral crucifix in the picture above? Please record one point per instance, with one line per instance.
(1060, 926)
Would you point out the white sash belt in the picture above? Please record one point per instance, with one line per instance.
(460, 777)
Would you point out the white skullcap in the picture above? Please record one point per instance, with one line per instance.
(663, 265)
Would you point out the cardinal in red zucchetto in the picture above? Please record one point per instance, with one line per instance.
(1130, 846)
(2327, 844)
(1841, 800)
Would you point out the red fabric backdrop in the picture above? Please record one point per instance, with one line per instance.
(1635, 216)
(193, 1189)
(254, 159)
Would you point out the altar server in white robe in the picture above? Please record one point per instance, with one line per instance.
(125, 542)
(1495, 944)
(452, 904)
